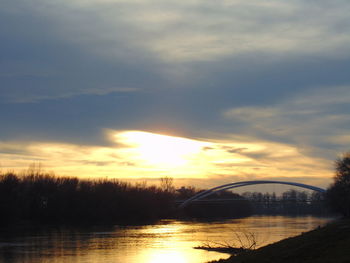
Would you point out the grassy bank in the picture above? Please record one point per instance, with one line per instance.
(329, 244)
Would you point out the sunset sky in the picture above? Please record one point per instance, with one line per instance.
(206, 92)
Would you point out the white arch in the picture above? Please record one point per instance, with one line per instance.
(245, 183)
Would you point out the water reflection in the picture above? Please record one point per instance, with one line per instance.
(169, 241)
(165, 256)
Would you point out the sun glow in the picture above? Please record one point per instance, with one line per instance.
(161, 150)
(136, 155)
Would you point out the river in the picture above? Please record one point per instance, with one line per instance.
(169, 241)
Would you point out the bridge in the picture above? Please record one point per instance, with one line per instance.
(223, 187)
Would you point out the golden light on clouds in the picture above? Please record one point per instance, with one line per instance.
(161, 150)
(145, 155)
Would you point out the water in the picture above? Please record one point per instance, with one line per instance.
(169, 241)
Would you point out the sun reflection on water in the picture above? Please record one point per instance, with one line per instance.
(165, 257)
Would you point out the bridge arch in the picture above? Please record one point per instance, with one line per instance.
(246, 183)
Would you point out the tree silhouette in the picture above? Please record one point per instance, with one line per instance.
(167, 184)
(339, 192)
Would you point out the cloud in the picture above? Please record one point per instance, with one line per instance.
(132, 158)
(205, 31)
(228, 72)
(53, 50)
(315, 122)
(67, 48)
(67, 95)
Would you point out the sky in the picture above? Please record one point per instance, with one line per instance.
(206, 92)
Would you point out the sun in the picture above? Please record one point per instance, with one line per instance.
(160, 150)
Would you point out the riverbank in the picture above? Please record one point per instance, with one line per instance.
(329, 244)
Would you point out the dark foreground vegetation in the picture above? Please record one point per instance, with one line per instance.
(329, 244)
(338, 194)
(43, 198)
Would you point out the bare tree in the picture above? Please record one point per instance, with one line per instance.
(167, 184)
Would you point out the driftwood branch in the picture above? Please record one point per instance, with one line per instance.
(242, 241)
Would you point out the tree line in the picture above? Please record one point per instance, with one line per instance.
(290, 202)
(36, 196)
(40, 197)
